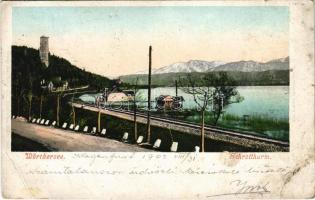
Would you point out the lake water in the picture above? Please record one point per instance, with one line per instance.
(265, 101)
(268, 101)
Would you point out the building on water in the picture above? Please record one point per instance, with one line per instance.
(169, 102)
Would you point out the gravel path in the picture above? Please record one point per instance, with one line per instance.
(57, 139)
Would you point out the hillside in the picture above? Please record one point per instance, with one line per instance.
(27, 71)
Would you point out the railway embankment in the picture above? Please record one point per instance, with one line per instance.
(215, 136)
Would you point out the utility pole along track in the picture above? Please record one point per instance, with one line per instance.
(233, 137)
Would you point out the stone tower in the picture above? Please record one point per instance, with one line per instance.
(44, 50)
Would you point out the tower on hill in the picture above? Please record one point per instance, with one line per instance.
(44, 50)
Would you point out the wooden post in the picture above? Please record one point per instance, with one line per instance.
(18, 106)
(202, 140)
(30, 109)
(106, 121)
(135, 112)
(176, 92)
(135, 115)
(58, 107)
(99, 121)
(202, 131)
(73, 111)
(149, 98)
(41, 106)
(73, 116)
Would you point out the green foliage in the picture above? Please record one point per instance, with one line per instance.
(29, 96)
(26, 65)
(81, 122)
(224, 92)
(28, 71)
(256, 124)
(217, 90)
(262, 125)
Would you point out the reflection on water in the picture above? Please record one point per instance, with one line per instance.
(269, 101)
(267, 109)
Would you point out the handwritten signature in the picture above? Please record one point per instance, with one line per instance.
(243, 187)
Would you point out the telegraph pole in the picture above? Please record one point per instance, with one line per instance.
(41, 106)
(149, 97)
(176, 90)
(135, 112)
(58, 108)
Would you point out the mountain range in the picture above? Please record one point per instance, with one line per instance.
(245, 73)
(206, 66)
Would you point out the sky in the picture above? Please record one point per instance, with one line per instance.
(114, 41)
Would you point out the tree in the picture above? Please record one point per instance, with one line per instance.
(29, 99)
(43, 94)
(41, 105)
(72, 114)
(213, 89)
(224, 93)
(29, 96)
(18, 92)
(202, 96)
(58, 108)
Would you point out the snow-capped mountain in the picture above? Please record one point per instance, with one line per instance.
(186, 67)
(252, 66)
(206, 66)
(190, 66)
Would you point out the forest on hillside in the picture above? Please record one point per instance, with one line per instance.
(272, 77)
(28, 71)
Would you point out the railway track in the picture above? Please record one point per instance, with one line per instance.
(246, 135)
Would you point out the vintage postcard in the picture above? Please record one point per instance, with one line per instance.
(157, 100)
